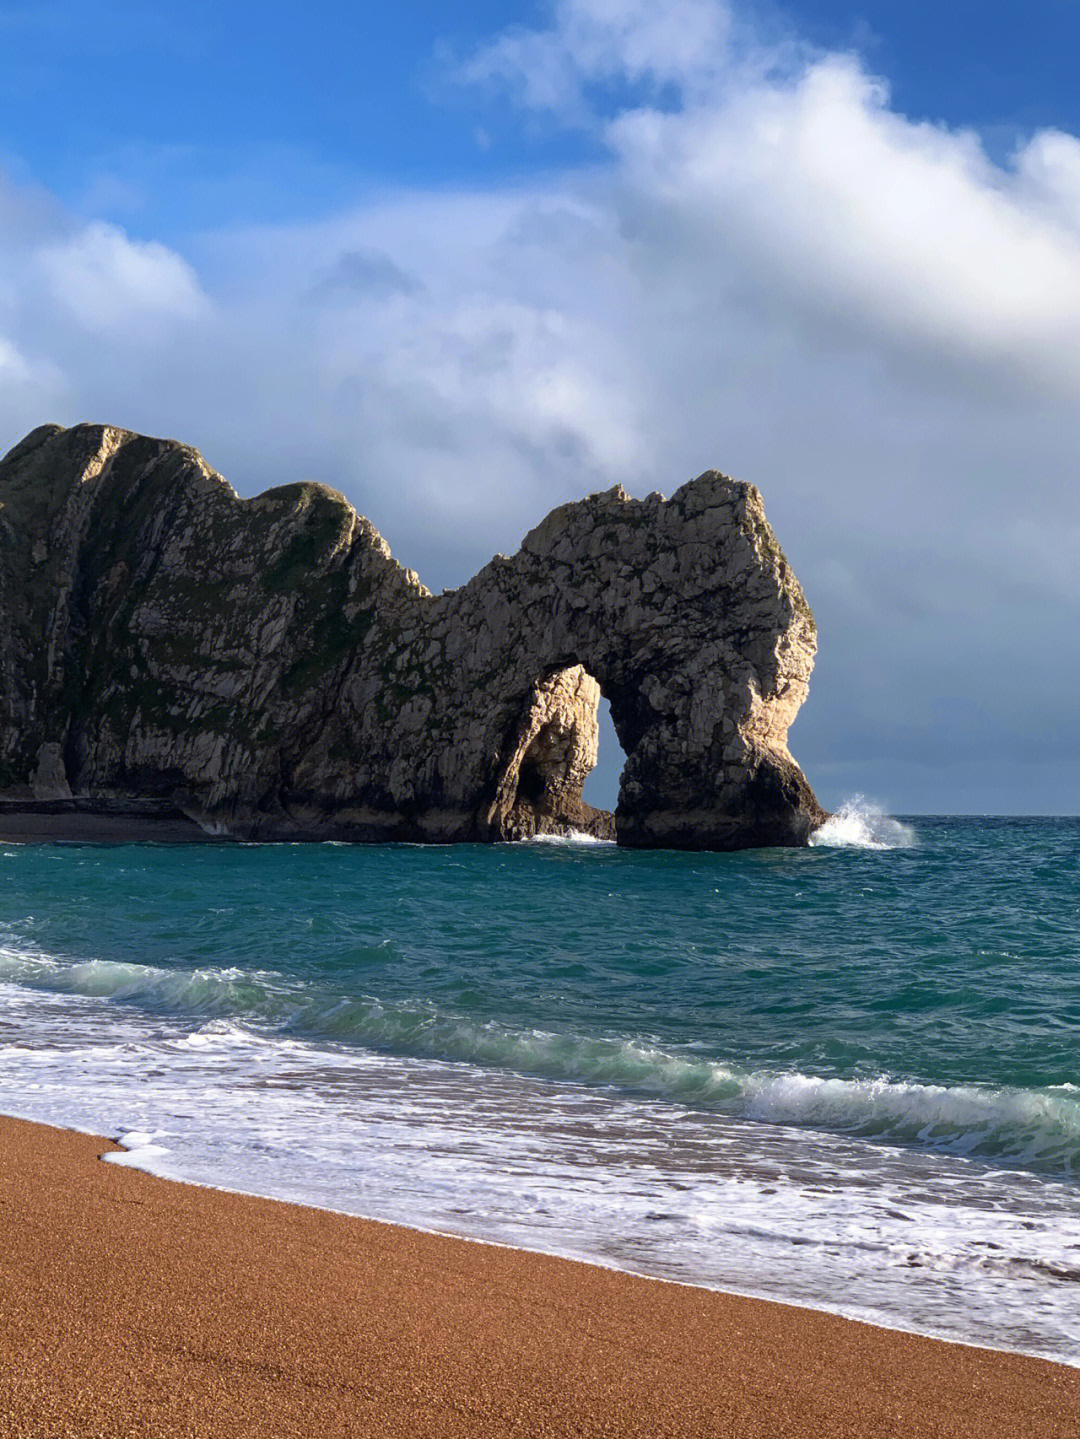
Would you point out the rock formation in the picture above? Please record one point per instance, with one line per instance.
(267, 668)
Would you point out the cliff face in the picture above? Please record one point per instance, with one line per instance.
(267, 667)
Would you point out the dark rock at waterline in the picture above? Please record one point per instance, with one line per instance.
(267, 667)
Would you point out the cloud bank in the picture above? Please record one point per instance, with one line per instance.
(773, 272)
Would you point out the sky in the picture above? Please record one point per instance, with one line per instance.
(466, 266)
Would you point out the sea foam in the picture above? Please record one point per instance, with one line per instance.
(1037, 1129)
(583, 1171)
(138, 1150)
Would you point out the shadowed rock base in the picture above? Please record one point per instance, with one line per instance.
(97, 821)
(267, 669)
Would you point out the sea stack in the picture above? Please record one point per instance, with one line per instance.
(267, 669)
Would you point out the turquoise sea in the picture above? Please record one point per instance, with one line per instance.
(845, 1076)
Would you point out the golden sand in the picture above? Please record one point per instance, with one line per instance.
(137, 1307)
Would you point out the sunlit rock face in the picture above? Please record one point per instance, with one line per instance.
(551, 757)
(268, 668)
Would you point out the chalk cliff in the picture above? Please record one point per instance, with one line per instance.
(267, 668)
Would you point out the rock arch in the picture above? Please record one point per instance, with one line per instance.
(688, 616)
(268, 668)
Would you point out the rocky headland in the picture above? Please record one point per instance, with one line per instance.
(265, 669)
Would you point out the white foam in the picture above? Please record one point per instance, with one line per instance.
(585, 1170)
(1039, 1129)
(573, 836)
(859, 824)
(140, 1151)
(1036, 1128)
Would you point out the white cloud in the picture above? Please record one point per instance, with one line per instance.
(112, 285)
(901, 232)
(1049, 167)
(681, 41)
(13, 366)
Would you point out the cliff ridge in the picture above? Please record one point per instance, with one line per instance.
(267, 668)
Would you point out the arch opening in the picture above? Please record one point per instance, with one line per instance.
(552, 752)
(602, 783)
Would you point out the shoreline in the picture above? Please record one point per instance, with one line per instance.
(118, 1153)
(133, 1305)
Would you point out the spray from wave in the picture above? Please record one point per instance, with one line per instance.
(858, 824)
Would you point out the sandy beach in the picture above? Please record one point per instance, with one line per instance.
(131, 1306)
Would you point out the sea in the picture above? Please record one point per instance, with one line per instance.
(843, 1076)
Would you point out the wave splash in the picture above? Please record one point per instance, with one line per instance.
(858, 824)
(1036, 1129)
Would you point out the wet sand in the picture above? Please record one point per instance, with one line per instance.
(131, 1306)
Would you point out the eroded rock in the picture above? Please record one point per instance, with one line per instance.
(49, 779)
(267, 666)
(551, 757)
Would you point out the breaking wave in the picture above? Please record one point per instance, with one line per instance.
(1036, 1129)
(858, 824)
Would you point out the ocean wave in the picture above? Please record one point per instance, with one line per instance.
(858, 824)
(1036, 1129)
(573, 836)
(212, 990)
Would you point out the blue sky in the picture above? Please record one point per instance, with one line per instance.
(464, 267)
(179, 115)
(172, 117)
